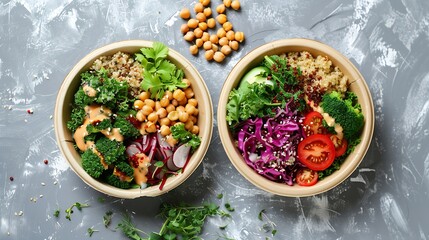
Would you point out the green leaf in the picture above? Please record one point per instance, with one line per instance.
(159, 164)
(107, 218)
(220, 196)
(261, 214)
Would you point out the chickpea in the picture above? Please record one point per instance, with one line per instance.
(173, 116)
(211, 23)
(198, 33)
(164, 121)
(192, 23)
(220, 8)
(184, 28)
(230, 35)
(174, 102)
(205, 2)
(223, 41)
(207, 45)
(183, 102)
(207, 12)
(193, 49)
(226, 50)
(195, 129)
(183, 116)
(140, 116)
(227, 3)
(218, 57)
(157, 105)
(221, 33)
(164, 130)
(143, 129)
(235, 4)
(189, 36)
(196, 112)
(203, 26)
(190, 108)
(189, 124)
(189, 93)
(180, 108)
(187, 82)
(234, 45)
(153, 117)
(164, 102)
(144, 95)
(205, 37)
(221, 18)
(169, 94)
(193, 119)
(170, 140)
(215, 47)
(227, 26)
(198, 7)
(146, 110)
(150, 103)
(193, 102)
(209, 55)
(138, 104)
(150, 127)
(170, 108)
(201, 17)
(214, 39)
(162, 113)
(178, 94)
(185, 13)
(239, 36)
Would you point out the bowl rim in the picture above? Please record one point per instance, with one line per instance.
(61, 129)
(234, 77)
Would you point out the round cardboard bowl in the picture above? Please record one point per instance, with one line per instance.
(65, 137)
(358, 86)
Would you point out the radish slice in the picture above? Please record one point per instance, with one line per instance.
(170, 165)
(180, 156)
(161, 141)
(152, 148)
(132, 150)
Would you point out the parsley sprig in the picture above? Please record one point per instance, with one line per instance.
(159, 74)
(79, 206)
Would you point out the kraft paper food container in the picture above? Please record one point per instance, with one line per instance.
(358, 86)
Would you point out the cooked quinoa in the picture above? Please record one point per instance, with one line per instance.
(122, 67)
(323, 73)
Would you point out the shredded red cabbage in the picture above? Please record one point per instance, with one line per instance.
(269, 144)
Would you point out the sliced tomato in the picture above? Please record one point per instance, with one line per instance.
(313, 124)
(306, 177)
(340, 145)
(317, 152)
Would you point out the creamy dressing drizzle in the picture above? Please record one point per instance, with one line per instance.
(329, 120)
(141, 170)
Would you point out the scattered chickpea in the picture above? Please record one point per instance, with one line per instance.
(223, 41)
(140, 116)
(198, 33)
(220, 8)
(230, 35)
(205, 37)
(138, 104)
(192, 102)
(215, 47)
(207, 12)
(162, 113)
(192, 23)
(221, 33)
(214, 39)
(153, 117)
(185, 13)
(201, 17)
(184, 28)
(195, 129)
(234, 45)
(205, 2)
(239, 36)
(226, 50)
(189, 36)
(227, 3)
(207, 45)
(211, 23)
(218, 57)
(235, 4)
(203, 26)
(164, 130)
(150, 103)
(146, 110)
(198, 7)
(209, 55)
(193, 49)
(221, 18)
(227, 26)
(173, 116)
(144, 95)
(199, 42)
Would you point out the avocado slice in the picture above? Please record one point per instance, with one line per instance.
(255, 75)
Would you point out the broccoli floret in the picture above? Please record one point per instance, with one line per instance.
(110, 149)
(116, 182)
(76, 118)
(91, 164)
(125, 168)
(346, 112)
(126, 128)
(99, 126)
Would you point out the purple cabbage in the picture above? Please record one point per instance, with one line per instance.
(269, 144)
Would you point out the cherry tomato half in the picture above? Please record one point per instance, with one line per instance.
(306, 177)
(313, 124)
(317, 152)
(340, 145)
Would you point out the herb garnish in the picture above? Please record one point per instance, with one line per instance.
(181, 134)
(79, 206)
(107, 218)
(91, 231)
(268, 226)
